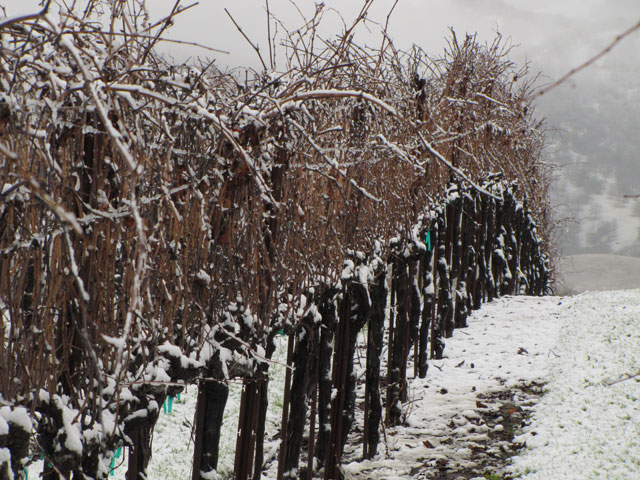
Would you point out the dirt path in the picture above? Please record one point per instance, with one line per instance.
(500, 415)
(475, 444)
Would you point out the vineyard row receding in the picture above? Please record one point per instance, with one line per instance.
(161, 224)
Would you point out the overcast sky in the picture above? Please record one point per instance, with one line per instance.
(552, 33)
(596, 114)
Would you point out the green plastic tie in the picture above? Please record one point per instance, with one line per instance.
(167, 405)
(113, 461)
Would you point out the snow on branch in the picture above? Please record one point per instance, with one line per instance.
(332, 162)
(102, 109)
(333, 94)
(457, 171)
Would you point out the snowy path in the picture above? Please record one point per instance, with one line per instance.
(582, 428)
(507, 345)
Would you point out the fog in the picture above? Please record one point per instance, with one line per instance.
(592, 120)
(596, 272)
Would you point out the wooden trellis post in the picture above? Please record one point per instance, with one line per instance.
(436, 347)
(302, 376)
(285, 407)
(375, 338)
(210, 406)
(428, 292)
(329, 315)
(334, 452)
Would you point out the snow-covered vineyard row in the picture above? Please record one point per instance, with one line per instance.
(160, 225)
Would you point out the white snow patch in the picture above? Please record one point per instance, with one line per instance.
(18, 416)
(5, 457)
(4, 427)
(204, 277)
(347, 271)
(73, 441)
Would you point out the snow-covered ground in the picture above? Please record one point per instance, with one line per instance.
(587, 424)
(469, 416)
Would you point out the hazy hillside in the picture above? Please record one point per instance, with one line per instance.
(593, 272)
(593, 139)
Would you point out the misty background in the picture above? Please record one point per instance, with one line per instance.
(593, 120)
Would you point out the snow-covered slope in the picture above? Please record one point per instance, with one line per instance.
(597, 272)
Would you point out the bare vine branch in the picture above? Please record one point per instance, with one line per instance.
(590, 61)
